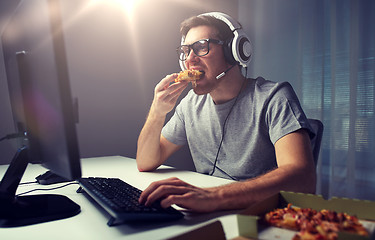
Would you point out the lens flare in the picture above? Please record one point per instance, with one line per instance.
(128, 5)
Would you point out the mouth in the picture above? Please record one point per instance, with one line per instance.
(202, 75)
(196, 82)
(198, 78)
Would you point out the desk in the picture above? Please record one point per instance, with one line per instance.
(91, 223)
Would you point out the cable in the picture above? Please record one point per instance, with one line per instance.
(222, 139)
(25, 183)
(221, 170)
(13, 135)
(215, 165)
(223, 134)
(49, 189)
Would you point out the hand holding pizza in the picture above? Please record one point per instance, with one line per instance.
(166, 95)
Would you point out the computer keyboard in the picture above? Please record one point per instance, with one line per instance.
(120, 200)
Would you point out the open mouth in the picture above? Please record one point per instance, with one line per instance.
(202, 75)
(194, 83)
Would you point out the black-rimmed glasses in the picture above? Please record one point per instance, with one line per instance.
(200, 48)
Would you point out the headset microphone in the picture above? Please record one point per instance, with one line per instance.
(225, 72)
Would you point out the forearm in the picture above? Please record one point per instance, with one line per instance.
(148, 147)
(243, 194)
(151, 152)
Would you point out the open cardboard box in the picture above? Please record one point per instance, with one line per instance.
(248, 219)
(249, 227)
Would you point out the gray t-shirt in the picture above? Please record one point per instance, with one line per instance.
(263, 112)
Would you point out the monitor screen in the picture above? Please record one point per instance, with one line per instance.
(39, 89)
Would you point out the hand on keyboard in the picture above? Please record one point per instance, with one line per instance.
(121, 201)
(176, 191)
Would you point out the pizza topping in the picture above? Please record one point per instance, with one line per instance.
(312, 224)
(190, 75)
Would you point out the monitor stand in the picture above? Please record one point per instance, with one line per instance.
(31, 209)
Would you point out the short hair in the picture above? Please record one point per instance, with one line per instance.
(223, 31)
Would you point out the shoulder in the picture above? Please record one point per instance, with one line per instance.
(270, 89)
(264, 85)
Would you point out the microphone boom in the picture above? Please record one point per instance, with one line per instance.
(225, 72)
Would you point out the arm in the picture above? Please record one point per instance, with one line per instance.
(295, 172)
(152, 148)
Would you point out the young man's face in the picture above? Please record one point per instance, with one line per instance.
(211, 64)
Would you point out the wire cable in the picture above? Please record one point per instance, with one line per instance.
(223, 134)
(13, 135)
(25, 183)
(46, 189)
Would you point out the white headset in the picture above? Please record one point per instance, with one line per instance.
(240, 49)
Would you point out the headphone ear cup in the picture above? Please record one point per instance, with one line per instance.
(227, 49)
(243, 49)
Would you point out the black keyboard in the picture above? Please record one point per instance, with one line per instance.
(120, 200)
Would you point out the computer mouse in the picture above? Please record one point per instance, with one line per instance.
(49, 177)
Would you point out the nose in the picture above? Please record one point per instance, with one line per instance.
(192, 58)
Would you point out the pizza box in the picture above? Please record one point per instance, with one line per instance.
(248, 220)
(213, 230)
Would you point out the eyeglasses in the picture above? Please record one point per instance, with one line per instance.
(200, 48)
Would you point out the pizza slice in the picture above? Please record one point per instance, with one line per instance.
(189, 75)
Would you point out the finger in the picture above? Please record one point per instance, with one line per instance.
(165, 82)
(191, 200)
(153, 186)
(170, 93)
(165, 191)
(145, 195)
(179, 200)
(173, 87)
(174, 92)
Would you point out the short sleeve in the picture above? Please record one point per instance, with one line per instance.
(284, 114)
(174, 130)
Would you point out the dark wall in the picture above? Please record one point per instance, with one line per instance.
(115, 59)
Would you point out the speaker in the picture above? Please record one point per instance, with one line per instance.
(237, 50)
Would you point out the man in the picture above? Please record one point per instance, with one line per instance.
(251, 130)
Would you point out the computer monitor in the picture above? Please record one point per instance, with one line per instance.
(39, 89)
